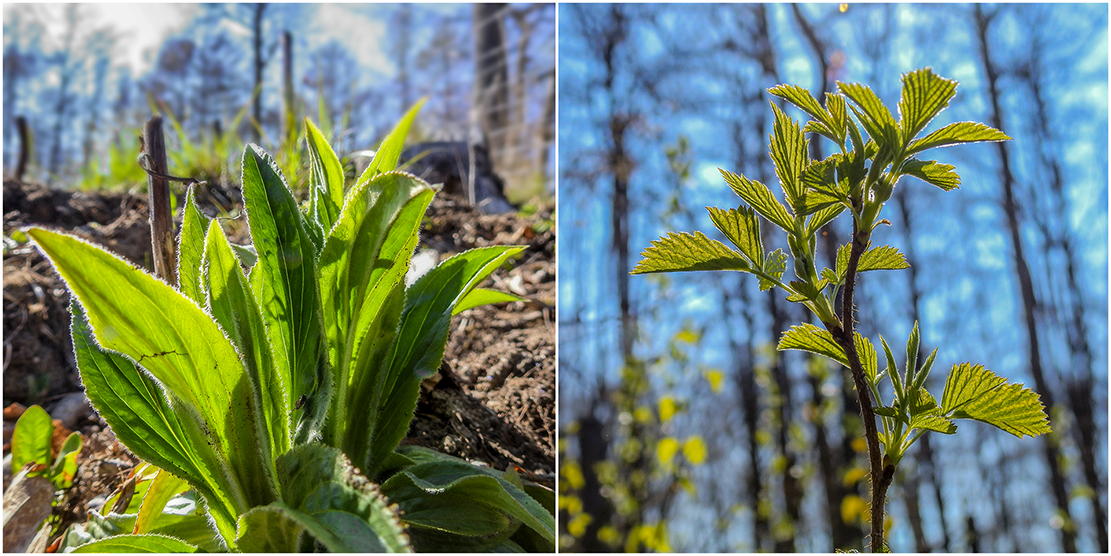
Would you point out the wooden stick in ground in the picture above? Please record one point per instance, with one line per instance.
(161, 222)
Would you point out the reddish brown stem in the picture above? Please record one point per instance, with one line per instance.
(880, 474)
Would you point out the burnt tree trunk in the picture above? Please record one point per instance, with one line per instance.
(491, 78)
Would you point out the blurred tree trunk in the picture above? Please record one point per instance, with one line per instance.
(259, 64)
(288, 98)
(401, 31)
(1025, 281)
(66, 74)
(1080, 385)
(491, 101)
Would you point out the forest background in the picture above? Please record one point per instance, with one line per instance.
(681, 427)
(86, 76)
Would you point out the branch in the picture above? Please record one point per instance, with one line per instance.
(880, 474)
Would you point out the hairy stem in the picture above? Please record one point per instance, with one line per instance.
(880, 474)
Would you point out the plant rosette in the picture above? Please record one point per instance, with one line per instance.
(271, 399)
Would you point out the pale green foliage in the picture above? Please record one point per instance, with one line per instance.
(278, 393)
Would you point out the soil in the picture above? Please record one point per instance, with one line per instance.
(493, 402)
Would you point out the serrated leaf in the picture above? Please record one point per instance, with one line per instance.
(789, 154)
(933, 173)
(689, 252)
(925, 95)
(955, 134)
(867, 354)
(843, 253)
(881, 258)
(760, 198)
(823, 217)
(973, 392)
(812, 338)
(875, 117)
(839, 116)
(742, 228)
(775, 264)
(801, 98)
(806, 290)
(933, 422)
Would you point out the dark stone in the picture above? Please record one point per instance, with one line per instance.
(448, 162)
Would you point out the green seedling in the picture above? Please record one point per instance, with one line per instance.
(280, 395)
(31, 444)
(858, 179)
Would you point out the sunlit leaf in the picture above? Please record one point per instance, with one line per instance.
(688, 252)
(789, 154)
(774, 264)
(925, 95)
(882, 258)
(760, 198)
(955, 134)
(742, 228)
(973, 392)
(933, 173)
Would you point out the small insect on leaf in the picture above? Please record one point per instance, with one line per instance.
(300, 401)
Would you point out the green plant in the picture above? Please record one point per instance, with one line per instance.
(31, 444)
(858, 179)
(277, 395)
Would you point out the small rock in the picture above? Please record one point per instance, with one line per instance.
(72, 410)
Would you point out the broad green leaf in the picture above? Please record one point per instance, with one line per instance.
(957, 133)
(141, 416)
(973, 392)
(325, 178)
(789, 153)
(164, 487)
(386, 157)
(760, 198)
(182, 347)
(933, 173)
(458, 498)
(190, 248)
(806, 290)
(147, 544)
(31, 439)
(422, 335)
(774, 264)
(882, 258)
(873, 115)
(925, 95)
(230, 301)
(284, 283)
(742, 228)
(482, 296)
(320, 482)
(683, 252)
(821, 177)
(363, 268)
